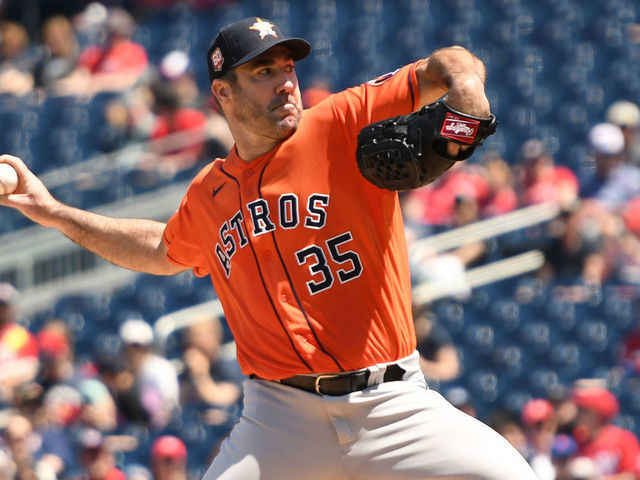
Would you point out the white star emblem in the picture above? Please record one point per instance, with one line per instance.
(264, 28)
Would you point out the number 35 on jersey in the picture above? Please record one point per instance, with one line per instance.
(321, 260)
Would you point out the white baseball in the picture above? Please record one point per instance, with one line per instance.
(8, 179)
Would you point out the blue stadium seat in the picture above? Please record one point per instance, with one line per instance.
(451, 314)
(505, 313)
(480, 337)
(542, 381)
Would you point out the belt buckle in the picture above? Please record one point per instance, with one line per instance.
(320, 377)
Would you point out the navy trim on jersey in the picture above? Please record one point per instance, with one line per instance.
(264, 285)
(413, 97)
(295, 294)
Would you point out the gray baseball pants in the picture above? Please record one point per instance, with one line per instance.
(395, 430)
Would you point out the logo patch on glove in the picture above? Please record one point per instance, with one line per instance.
(458, 128)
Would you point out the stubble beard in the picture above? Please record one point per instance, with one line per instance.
(268, 121)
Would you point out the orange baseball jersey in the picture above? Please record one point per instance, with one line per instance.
(307, 257)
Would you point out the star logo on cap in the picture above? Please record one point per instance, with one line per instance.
(264, 28)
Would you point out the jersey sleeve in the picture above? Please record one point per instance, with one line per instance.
(395, 93)
(182, 239)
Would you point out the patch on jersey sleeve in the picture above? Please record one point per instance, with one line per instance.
(382, 78)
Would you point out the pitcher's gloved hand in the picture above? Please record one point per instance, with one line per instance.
(410, 151)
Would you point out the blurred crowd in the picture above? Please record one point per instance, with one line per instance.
(68, 418)
(65, 417)
(596, 234)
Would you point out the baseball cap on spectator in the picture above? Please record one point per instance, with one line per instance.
(624, 114)
(8, 294)
(606, 139)
(168, 446)
(174, 64)
(563, 446)
(597, 399)
(242, 41)
(136, 332)
(536, 410)
(53, 343)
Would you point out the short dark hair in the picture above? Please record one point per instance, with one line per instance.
(230, 77)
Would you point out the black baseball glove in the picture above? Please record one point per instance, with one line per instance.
(410, 151)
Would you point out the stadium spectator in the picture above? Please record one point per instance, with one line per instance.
(127, 118)
(218, 136)
(98, 408)
(563, 449)
(122, 386)
(626, 115)
(58, 55)
(434, 204)
(614, 450)
(541, 180)
(630, 351)
(565, 411)
(539, 424)
(580, 244)
(509, 426)
(169, 459)
(211, 375)
(614, 182)
(17, 449)
(56, 356)
(114, 66)
(175, 154)
(16, 59)
(438, 355)
(33, 450)
(18, 346)
(96, 457)
(176, 70)
(501, 197)
(156, 378)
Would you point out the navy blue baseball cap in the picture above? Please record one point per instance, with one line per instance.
(242, 41)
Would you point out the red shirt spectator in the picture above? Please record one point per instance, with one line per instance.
(502, 197)
(176, 153)
(123, 55)
(614, 449)
(542, 180)
(114, 66)
(178, 121)
(18, 346)
(435, 203)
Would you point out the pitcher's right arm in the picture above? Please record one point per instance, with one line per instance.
(131, 243)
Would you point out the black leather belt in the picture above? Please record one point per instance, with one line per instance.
(336, 384)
